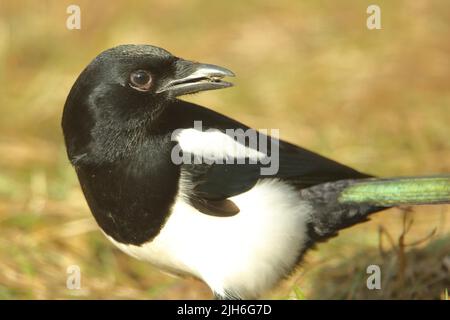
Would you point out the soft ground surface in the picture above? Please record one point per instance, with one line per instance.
(376, 100)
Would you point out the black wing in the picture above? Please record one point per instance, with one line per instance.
(301, 168)
(213, 184)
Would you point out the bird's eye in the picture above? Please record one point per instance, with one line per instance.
(141, 80)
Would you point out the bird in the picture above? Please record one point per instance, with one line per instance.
(198, 194)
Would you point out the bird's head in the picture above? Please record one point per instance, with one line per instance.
(129, 84)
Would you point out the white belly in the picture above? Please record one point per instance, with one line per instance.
(247, 252)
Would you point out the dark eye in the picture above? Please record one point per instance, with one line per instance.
(141, 80)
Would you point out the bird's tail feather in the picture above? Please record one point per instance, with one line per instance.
(340, 204)
(398, 191)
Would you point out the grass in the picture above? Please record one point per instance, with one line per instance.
(375, 100)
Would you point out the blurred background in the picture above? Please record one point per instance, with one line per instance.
(377, 100)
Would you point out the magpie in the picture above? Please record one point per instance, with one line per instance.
(168, 184)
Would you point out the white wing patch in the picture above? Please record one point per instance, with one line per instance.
(216, 145)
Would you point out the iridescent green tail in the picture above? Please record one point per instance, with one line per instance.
(340, 204)
(398, 191)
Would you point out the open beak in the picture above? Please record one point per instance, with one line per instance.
(192, 77)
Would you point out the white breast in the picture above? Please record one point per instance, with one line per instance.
(248, 252)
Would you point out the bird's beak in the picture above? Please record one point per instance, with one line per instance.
(192, 77)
